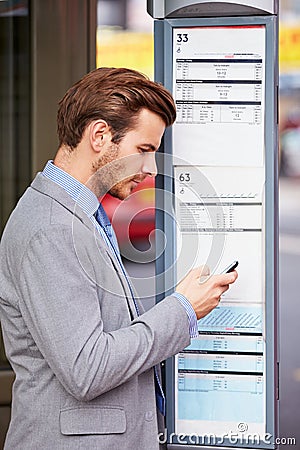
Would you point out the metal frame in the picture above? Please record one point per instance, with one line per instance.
(163, 73)
(161, 9)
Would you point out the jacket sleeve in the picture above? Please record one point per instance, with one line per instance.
(60, 304)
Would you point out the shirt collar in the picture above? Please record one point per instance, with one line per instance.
(81, 195)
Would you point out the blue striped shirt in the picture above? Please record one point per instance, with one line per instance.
(89, 203)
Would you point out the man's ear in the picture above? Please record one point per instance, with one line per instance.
(99, 134)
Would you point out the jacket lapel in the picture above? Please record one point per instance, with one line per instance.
(58, 194)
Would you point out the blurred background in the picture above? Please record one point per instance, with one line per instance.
(47, 45)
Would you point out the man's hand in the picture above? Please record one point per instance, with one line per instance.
(204, 292)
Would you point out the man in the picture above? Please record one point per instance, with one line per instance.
(84, 354)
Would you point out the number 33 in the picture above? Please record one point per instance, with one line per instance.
(182, 37)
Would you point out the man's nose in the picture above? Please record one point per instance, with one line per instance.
(149, 164)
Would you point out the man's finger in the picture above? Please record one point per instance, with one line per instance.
(228, 278)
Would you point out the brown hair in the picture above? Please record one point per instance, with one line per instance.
(114, 95)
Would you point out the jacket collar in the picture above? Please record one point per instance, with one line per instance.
(57, 193)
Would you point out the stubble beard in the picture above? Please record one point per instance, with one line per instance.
(110, 175)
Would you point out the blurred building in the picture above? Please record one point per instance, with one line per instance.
(125, 39)
(289, 84)
(125, 35)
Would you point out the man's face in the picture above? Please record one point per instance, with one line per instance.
(121, 167)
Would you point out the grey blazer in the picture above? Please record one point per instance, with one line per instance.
(83, 359)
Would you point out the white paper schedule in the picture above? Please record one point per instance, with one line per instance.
(220, 219)
(220, 377)
(219, 89)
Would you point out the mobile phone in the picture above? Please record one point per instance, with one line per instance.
(231, 267)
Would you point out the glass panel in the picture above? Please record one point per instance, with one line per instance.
(14, 104)
(14, 110)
